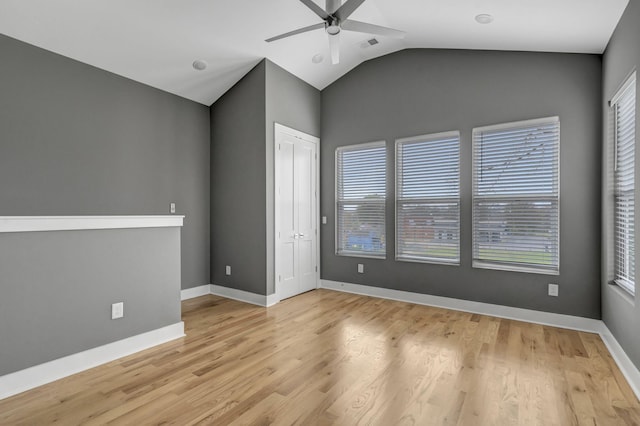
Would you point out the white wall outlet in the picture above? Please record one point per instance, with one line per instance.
(227, 270)
(360, 268)
(553, 290)
(324, 220)
(117, 310)
(172, 208)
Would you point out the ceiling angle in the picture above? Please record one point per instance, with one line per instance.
(334, 18)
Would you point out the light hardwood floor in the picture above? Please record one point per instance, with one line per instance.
(334, 358)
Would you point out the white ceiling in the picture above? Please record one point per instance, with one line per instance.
(156, 41)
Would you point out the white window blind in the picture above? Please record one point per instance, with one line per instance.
(624, 110)
(361, 199)
(516, 196)
(428, 198)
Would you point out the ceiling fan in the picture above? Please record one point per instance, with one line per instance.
(335, 19)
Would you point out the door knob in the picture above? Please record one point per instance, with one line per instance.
(295, 236)
(301, 235)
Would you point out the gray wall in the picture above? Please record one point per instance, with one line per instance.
(238, 228)
(242, 158)
(56, 290)
(76, 140)
(620, 312)
(295, 104)
(415, 92)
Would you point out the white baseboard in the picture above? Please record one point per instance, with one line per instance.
(528, 315)
(626, 366)
(23, 380)
(272, 299)
(628, 369)
(241, 295)
(190, 293)
(230, 293)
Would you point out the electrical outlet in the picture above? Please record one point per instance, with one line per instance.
(324, 220)
(553, 290)
(227, 270)
(117, 310)
(172, 208)
(360, 268)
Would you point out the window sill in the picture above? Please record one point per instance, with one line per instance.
(512, 268)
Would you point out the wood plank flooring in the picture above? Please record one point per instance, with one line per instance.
(333, 358)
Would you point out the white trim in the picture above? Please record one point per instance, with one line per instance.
(73, 223)
(522, 123)
(628, 369)
(282, 129)
(277, 127)
(241, 295)
(271, 300)
(626, 366)
(23, 380)
(230, 293)
(508, 312)
(631, 78)
(191, 293)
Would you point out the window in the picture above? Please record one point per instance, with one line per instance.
(361, 199)
(428, 198)
(624, 114)
(516, 197)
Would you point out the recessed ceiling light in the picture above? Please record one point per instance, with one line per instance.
(317, 58)
(199, 65)
(484, 18)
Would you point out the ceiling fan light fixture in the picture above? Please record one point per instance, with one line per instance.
(317, 58)
(333, 29)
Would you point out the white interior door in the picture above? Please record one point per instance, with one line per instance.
(296, 212)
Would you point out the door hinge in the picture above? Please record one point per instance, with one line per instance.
(316, 156)
(279, 277)
(279, 146)
(316, 268)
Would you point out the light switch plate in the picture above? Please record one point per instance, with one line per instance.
(172, 208)
(553, 290)
(360, 268)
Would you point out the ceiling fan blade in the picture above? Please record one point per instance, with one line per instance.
(315, 8)
(332, 6)
(298, 31)
(334, 47)
(363, 27)
(347, 9)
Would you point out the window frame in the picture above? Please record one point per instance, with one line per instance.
(506, 265)
(417, 139)
(630, 82)
(353, 147)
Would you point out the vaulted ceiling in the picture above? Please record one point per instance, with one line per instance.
(156, 42)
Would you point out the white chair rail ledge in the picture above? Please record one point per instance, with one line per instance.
(73, 223)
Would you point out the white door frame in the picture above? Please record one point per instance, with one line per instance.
(279, 128)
